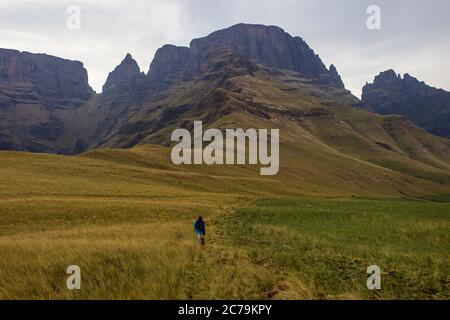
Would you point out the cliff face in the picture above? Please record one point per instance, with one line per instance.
(51, 76)
(46, 104)
(336, 78)
(426, 106)
(123, 75)
(169, 63)
(37, 92)
(267, 45)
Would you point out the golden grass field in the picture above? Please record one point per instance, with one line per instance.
(129, 229)
(125, 217)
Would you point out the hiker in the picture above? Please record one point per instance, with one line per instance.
(200, 230)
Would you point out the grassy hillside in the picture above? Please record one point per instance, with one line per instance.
(325, 142)
(125, 217)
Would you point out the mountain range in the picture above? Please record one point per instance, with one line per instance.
(44, 100)
(244, 76)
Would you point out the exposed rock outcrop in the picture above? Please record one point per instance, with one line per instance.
(424, 105)
(169, 63)
(267, 45)
(336, 78)
(123, 75)
(50, 76)
(37, 94)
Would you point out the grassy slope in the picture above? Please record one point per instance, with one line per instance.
(124, 216)
(127, 226)
(325, 143)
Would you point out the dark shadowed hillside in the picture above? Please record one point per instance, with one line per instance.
(426, 106)
(38, 94)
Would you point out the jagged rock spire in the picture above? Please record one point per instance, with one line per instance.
(123, 73)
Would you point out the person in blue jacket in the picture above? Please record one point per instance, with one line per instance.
(200, 230)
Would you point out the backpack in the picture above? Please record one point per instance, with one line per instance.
(200, 225)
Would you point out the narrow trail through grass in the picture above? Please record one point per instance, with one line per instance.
(224, 269)
(283, 248)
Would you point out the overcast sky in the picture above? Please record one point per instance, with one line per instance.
(414, 36)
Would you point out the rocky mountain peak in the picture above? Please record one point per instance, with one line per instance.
(37, 93)
(336, 78)
(388, 78)
(410, 80)
(123, 74)
(50, 76)
(426, 106)
(387, 75)
(267, 45)
(169, 62)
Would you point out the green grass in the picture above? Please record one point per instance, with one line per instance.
(125, 217)
(438, 198)
(328, 245)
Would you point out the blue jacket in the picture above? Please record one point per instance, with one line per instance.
(200, 226)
